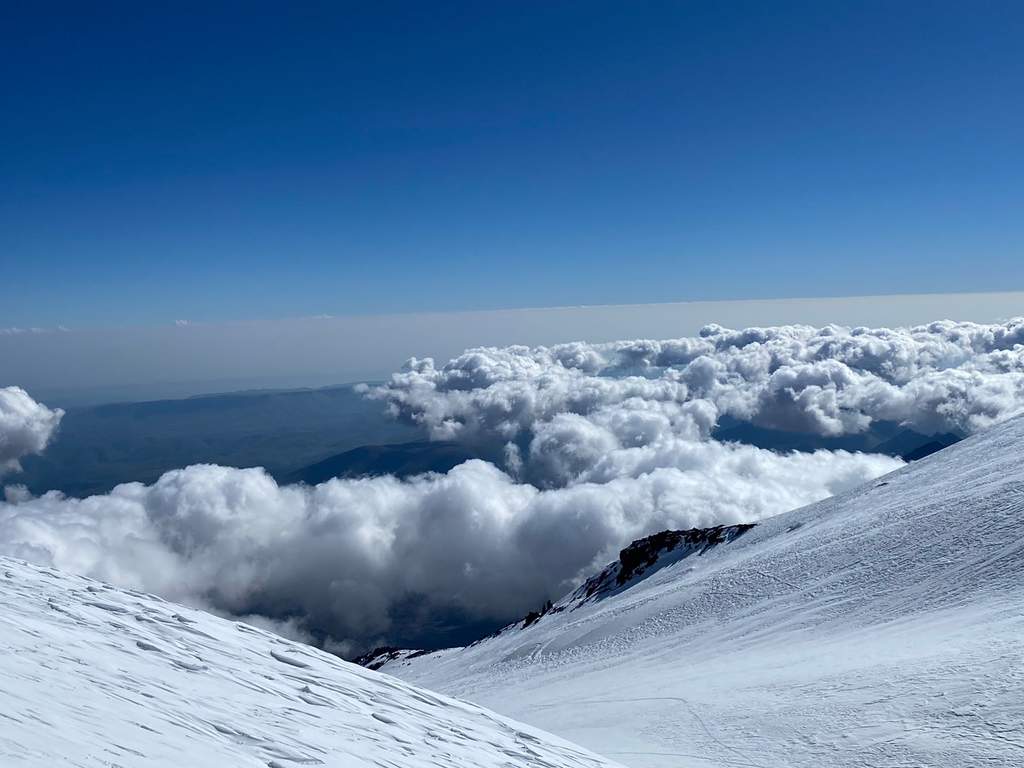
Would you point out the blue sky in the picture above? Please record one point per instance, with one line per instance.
(239, 161)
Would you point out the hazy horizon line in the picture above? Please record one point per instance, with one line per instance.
(135, 363)
(188, 323)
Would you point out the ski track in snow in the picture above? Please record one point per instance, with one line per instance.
(95, 676)
(881, 627)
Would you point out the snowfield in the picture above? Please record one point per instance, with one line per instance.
(881, 627)
(95, 676)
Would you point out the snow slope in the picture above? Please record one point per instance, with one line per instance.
(881, 627)
(94, 676)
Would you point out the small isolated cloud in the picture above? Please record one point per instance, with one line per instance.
(182, 323)
(16, 331)
(25, 427)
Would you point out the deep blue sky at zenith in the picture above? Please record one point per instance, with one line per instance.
(245, 161)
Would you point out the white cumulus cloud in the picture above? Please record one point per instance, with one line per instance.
(380, 559)
(25, 427)
(570, 402)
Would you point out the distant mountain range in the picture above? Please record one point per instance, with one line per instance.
(98, 447)
(401, 460)
(312, 435)
(882, 437)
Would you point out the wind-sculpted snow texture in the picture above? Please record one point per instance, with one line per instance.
(881, 627)
(93, 676)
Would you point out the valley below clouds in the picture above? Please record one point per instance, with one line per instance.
(600, 444)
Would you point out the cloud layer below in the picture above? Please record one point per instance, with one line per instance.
(377, 559)
(603, 443)
(594, 411)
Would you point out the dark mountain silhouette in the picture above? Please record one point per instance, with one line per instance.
(401, 460)
(98, 447)
(883, 437)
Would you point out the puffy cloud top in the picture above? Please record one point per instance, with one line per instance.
(25, 427)
(941, 377)
(363, 562)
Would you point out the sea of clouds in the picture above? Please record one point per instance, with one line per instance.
(602, 443)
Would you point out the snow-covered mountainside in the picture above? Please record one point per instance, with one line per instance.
(95, 676)
(883, 626)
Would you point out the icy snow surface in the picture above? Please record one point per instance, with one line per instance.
(881, 627)
(95, 676)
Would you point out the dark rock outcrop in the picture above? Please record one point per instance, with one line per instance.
(636, 562)
(640, 558)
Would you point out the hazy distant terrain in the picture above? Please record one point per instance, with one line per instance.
(310, 436)
(100, 446)
(884, 437)
(400, 460)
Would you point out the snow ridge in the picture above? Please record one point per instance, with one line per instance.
(95, 676)
(882, 626)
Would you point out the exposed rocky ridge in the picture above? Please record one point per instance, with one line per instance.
(646, 555)
(636, 562)
(384, 654)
